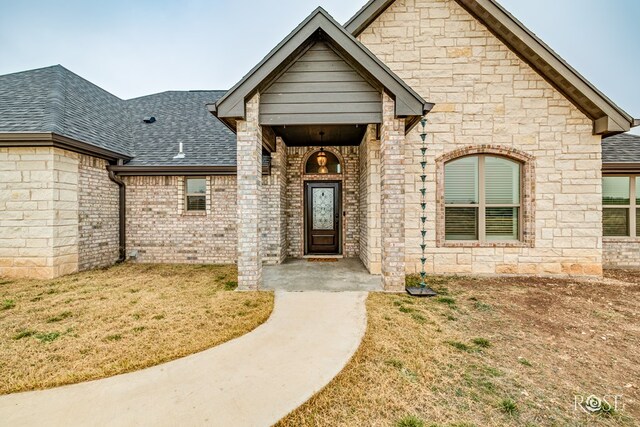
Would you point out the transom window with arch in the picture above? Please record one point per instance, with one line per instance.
(483, 199)
(322, 163)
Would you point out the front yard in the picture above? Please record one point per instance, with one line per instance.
(492, 352)
(105, 322)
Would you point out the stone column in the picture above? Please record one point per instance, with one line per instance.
(249, 161)
(392, 197)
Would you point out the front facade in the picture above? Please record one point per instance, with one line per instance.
(317, 152)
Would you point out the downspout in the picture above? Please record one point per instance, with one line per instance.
(122, 222)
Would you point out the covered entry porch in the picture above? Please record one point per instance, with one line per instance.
(321, 91)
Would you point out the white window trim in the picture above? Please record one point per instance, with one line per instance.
(185, 203)
(482, 205)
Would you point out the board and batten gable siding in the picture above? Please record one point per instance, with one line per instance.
(320, 88)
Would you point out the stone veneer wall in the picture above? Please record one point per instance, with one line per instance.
(485, 94)
(161, 231)
(38, 212)
(621, 253)
(370, 233)
(98, 215)
(350, 178)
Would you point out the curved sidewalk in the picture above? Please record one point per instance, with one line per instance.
(253, 380)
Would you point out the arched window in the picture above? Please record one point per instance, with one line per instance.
(322, 162)
(482, 199)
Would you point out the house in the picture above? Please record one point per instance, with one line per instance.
(316, 151)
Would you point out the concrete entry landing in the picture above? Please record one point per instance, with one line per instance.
(345, 274)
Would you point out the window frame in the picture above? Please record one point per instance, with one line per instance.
(482, 206)
(312, 153)
(187, 195)
(631, 208)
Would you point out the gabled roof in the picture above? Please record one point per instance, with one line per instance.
(55, 101)
(607, 117)
(366, 15)
(621, 153)
(232, 105)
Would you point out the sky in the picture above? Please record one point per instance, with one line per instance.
(133, 48)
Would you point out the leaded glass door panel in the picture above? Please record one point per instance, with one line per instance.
(322, 217)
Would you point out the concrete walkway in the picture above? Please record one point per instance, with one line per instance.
(253, 380)
(344, 274)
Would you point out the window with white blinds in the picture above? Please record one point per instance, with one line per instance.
(196, 194)
(482, 199)
(621, 206)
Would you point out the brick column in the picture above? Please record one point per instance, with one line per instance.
(249, 146)
(392, 197)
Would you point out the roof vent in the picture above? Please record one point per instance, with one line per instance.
(149, 119)
(180, 154)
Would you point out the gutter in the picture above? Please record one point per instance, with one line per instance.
(123, 170)
(636, 122)
(52, 139)
(122, 205)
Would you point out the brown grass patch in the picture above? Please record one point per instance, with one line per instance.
(490, 352)
(105, 322)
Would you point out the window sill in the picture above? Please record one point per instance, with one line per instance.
(620, 239)
(476, 244)
(194, 213)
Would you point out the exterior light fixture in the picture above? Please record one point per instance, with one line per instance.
(322, 158)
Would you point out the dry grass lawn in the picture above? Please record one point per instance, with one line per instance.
(105, 322)
(491, 352)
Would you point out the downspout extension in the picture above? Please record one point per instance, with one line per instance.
(122, 222)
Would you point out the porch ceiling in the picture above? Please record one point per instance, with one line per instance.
(310, 135)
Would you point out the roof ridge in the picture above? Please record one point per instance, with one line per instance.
(175, 91)
(58, 99)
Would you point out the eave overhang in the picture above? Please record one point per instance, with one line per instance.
(231, 107)
(124, 170)
(608, 118)
(366, 15)
(52, 139)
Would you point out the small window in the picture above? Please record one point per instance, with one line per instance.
(196, 194)
(620, 206)
(482, 199)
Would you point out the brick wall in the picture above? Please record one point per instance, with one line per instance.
(350, 179)
(38, 212)
(621, 253)
(370, 245)
(392, 197)
(98, 215)
(273, 199)
(161, 230)
(485, 94)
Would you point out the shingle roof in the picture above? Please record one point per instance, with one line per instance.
(180, 117)
(53, 99)
(622, 148)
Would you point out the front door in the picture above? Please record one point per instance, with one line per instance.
(322, 217)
